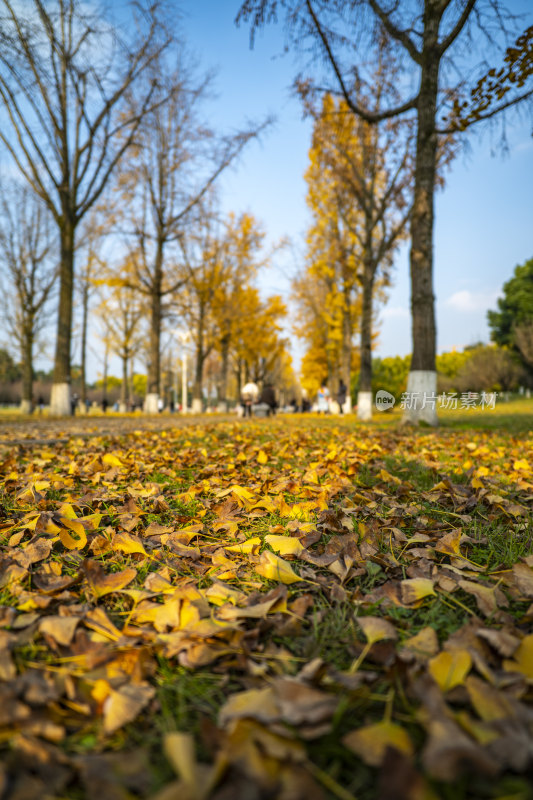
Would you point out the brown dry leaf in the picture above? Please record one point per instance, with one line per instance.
(101, 583)
(485, 596)
(123, 705)
(523, 577)
(449, 543)
(61, 629)
(424, 644)
(371, 742)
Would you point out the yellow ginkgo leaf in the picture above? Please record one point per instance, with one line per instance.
(285, 545)
(276, 569)
(415, 589)
(67, 540)
(377, 629)
(66, 510)
(112, 460)
(179, 749)
(262, 457)
(372, 741)
(249, 546)
(523, 658)
(450, 668)
(127, 543)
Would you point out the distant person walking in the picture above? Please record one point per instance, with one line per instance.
(323, 400)
(268, 397)
(249, 395)
(73, 403)
(341, 395)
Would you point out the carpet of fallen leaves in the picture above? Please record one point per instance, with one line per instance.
(276, 609)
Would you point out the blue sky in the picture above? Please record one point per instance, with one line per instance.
(484, 215)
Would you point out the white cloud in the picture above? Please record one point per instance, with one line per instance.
(468, 302)
(390, 312)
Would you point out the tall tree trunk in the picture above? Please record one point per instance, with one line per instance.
(364, 397)
(124, 387)
(197, 395)
(346, 351)
(223, 393)
(154, 369)
(104, 379)
(423, 377)
(84, 320)
(26, 406)
(60, 400)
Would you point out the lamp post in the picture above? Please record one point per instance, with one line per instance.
(183, 337)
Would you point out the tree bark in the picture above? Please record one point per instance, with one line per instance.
(421, 255)
(197, 395)
(27, 372)
(223, 392)
(61, 400)
(154, 371)
(124, 387)
(84, 320)
(365, 374)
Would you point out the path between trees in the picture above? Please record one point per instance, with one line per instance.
(39, 430)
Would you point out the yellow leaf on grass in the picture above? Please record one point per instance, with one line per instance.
(489, 703)
(449, 543)
(220, 593)
(67, 511)
(377, 629)
(276, 569)
(259, 704)
(521, 464)
(112, 460)
(179, 749)
(69, 541)
(286, 545)
(415, 589)
(450, 668)
(249, 546)
(262, 457)
(128, 543)
(372, 741)
(523, 658)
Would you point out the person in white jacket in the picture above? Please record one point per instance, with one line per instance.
(249, 396)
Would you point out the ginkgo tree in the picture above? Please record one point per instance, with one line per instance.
(122, 311)
(327, 290)
(369, 173)
(436, 42)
